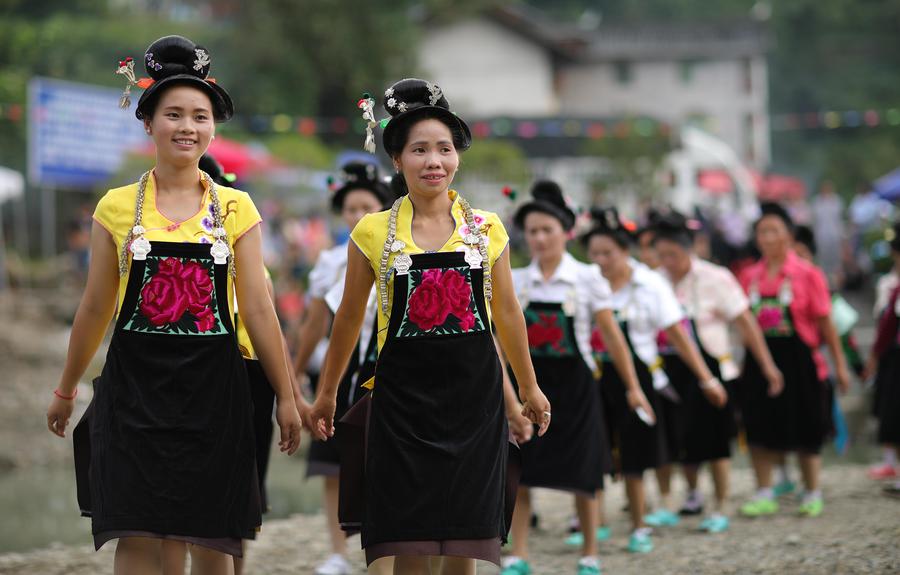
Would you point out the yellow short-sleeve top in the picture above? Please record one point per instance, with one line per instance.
(370, 233)
(115, 212)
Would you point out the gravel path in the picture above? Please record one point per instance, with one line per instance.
(858, 533)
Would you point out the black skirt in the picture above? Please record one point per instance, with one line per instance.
(889, 402)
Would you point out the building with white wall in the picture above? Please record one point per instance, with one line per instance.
(515, 62)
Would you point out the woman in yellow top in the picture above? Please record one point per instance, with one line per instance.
(436, 480)
(165, 451)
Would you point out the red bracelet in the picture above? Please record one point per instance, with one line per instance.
(67, 397)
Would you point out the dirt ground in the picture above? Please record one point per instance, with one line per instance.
(858, 533)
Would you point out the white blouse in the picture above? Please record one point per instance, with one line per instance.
(712, 296)
(580, 287)
(649, 305)
(330, 268)
(333, 299)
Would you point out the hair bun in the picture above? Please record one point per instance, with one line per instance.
(411, 93)
(607, 218)
(175, 55)
(550, 192)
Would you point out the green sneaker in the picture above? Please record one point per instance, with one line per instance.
(714, 524)
(517, 567)
(588, 567)
(661, 518)
(576, 539)
(759, 506)
(812, 508)
(640, 543)
(784, 488)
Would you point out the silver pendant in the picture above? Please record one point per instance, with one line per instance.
(140, 247)
(402, 264)
(474, 258)
(569, 306)
(397, 246)
(472, 239)
(220, 252)
(785, 294)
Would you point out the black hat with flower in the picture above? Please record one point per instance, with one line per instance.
(407, 102)
(170, 61)
(215, 170)
(358, 175)
(547, 198)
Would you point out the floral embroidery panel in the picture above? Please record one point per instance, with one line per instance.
(772, 318)
(548, 334)
(440, 302)
(178, 297)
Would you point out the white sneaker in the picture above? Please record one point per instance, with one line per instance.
(334, 565)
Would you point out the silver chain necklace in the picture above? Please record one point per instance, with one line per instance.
(139, 246)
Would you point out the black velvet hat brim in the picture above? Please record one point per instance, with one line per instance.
(566, 218)
(223, 108)
(380, 191)
(398, 122)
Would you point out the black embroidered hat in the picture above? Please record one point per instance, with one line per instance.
(412, 99)
(607, 222)
(361, 176)
(548, 198)
(175, 60)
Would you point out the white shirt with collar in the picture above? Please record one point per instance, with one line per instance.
(649, 305)
(712, 296)
(580, 287)
(334, 297)
(330, 268)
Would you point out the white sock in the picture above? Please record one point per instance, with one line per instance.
(643, 531)
(765, 493)
(510, 560)
(783, 476)
(590, 561)
(694, 498)
(890, 457)
(813, 495)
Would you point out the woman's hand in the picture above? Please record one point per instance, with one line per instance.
(321, 418)
(520, 426)
(58, 414)
(289, 423)
(776, 381)
(636, 398)
(715, 392)
(536, 408)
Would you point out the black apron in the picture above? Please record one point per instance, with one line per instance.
(799, 419)
(638, 446)
(167, 444)
(436, 446)
(889, 401)
(263, 397)
(702, 431)
(571, 455)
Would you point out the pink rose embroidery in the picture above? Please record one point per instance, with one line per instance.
(175, 289)
(597, 344)
(467, 321)
(206, 320)
(769, 318)
(459, 292)
(428, 303)
(545, 331)
(163, 299)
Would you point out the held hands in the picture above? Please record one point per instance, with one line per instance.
(843, 379)
(289, 423)
(58, 414)
(321, 418)
(776, 381)
(520, 426)
(536, 408)
(636, 398)
(714, 391)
